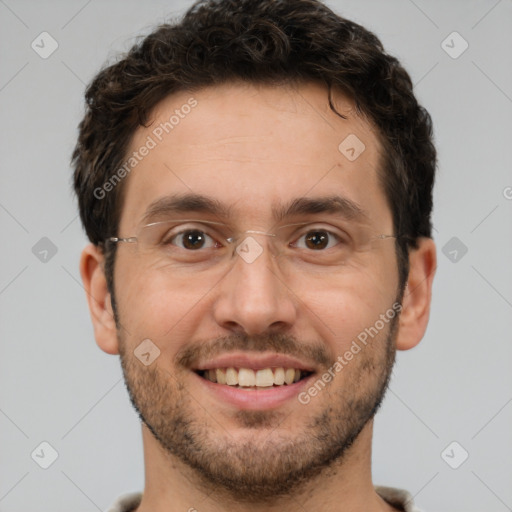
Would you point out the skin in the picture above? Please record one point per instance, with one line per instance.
(228, 147)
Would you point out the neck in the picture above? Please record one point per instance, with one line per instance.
(172, 486)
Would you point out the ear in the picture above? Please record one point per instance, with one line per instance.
(417, 296)
(98, 298)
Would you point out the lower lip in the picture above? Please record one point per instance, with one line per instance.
(254, 399)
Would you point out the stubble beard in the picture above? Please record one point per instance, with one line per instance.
(268, 462)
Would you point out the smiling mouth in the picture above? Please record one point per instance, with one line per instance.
(248, 378)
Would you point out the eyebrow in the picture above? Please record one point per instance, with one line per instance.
(184, 203)
(197, 203)
(333, 204)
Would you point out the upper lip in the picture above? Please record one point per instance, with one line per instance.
(254, 362)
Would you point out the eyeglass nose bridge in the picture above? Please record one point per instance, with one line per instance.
(233, 239)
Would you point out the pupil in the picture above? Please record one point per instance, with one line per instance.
(191, 238)
(317, 239)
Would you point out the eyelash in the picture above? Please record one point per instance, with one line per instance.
(167, 240)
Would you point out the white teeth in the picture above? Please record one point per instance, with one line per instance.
(279, 376)
(289, 375)
(264, 378)
(246, 377)
(231, 377)
(221, 375)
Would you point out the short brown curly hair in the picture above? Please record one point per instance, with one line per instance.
(259, 41)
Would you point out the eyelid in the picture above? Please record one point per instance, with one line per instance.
(203, 225)
(179, 222)
(319, 226)
(177, 230)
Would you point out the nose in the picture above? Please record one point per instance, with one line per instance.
(253, 297)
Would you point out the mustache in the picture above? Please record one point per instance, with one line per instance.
(191, 355)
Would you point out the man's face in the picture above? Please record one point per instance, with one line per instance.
(252, 150)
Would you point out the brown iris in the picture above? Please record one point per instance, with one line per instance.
(317, 239)
(193, 239)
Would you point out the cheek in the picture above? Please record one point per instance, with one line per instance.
(341, 313)
(151, 306)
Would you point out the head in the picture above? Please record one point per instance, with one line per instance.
(263, 96)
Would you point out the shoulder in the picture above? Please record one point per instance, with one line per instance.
(399, 498)
(126, 502)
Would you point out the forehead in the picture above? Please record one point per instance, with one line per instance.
(253, 149)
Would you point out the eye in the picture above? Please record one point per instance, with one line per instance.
(190, 239)
(318, 239)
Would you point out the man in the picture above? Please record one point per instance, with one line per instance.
(256, 183)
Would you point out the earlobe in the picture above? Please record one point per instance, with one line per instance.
(98, 299)
(417, 296)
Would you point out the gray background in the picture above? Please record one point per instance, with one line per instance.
(57, 386)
